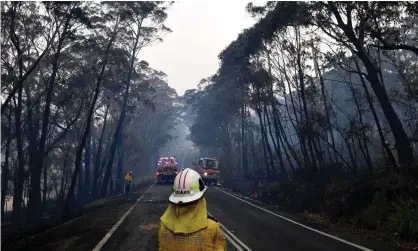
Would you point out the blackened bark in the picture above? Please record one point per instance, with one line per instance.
(403, 144)
(87, 161)
(5, 172)
(34, 204)
(80, 148)
(97, 163)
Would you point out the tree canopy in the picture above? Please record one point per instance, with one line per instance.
(78, 105)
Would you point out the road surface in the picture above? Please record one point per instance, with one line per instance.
(246, 226)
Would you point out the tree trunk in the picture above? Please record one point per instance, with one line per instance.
(263, 140)
(402, 141)
(275, 144)
(253, 152)
(286, 153)
(289, 146)
(19, 182)
(97, 163)
(274, 113)
(401, 138)
(45, 183)
(80, 148)
(62, 183)
(34, 204)
(120, 177)
(243, 140)
(298, 126)
(5, 172)
(33, 130)
(271, 157)
(118, 130)
(376, 118)
(324, 99)
(304, 105)
(363, 137)
(87, 159)
(80, 184)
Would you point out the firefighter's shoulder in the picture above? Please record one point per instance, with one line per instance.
(212, 218)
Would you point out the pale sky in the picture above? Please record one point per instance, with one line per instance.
(201, 30)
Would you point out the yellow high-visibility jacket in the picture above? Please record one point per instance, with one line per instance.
(128, 178)
(189, 228)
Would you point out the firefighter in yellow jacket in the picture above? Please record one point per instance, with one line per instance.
(185, 225)
(128, 180)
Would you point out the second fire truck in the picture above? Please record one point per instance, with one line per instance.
(208, 168)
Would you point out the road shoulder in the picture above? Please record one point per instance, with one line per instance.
(373, 240)
(81, 233)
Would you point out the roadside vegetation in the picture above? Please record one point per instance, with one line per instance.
(315, 109)
(79, 108)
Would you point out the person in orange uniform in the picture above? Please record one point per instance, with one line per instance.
(186, 225)
(128, 180)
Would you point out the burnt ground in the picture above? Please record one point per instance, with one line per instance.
(81, 233)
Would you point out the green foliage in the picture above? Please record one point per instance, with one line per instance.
(373, 217)
(395, 187)
(404, 221)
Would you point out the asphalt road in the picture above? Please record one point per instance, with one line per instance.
(139, 229)
(245, 226)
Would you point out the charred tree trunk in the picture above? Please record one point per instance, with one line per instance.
(118, 130)
(270, 156)
(5, 172)
(363, 137)
(307, 124)
(376, 118)
(274, 113)
(243, 139)
(45, 182)
(80, 148)
(298, 126)
(34, 204)
(19, 182)
(275, 144)
(326, 108)
(87, 159)
(120, 177)
(263, 140)
(402, 141)
(97, 163)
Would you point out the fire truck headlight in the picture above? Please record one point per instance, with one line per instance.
(206, 174)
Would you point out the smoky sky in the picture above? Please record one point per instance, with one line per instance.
(201, 30)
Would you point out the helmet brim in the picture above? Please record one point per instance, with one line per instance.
(186, 198)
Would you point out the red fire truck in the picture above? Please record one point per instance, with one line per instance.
(166, 169)
(208, 168)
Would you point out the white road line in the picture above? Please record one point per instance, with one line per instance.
(299, 224)
(232, 241)
(232, 238)
(99, 245)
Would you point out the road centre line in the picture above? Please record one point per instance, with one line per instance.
(232, 238)
(100, 245)
(299, 224)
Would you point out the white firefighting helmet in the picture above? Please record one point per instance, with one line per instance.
(188, 187)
